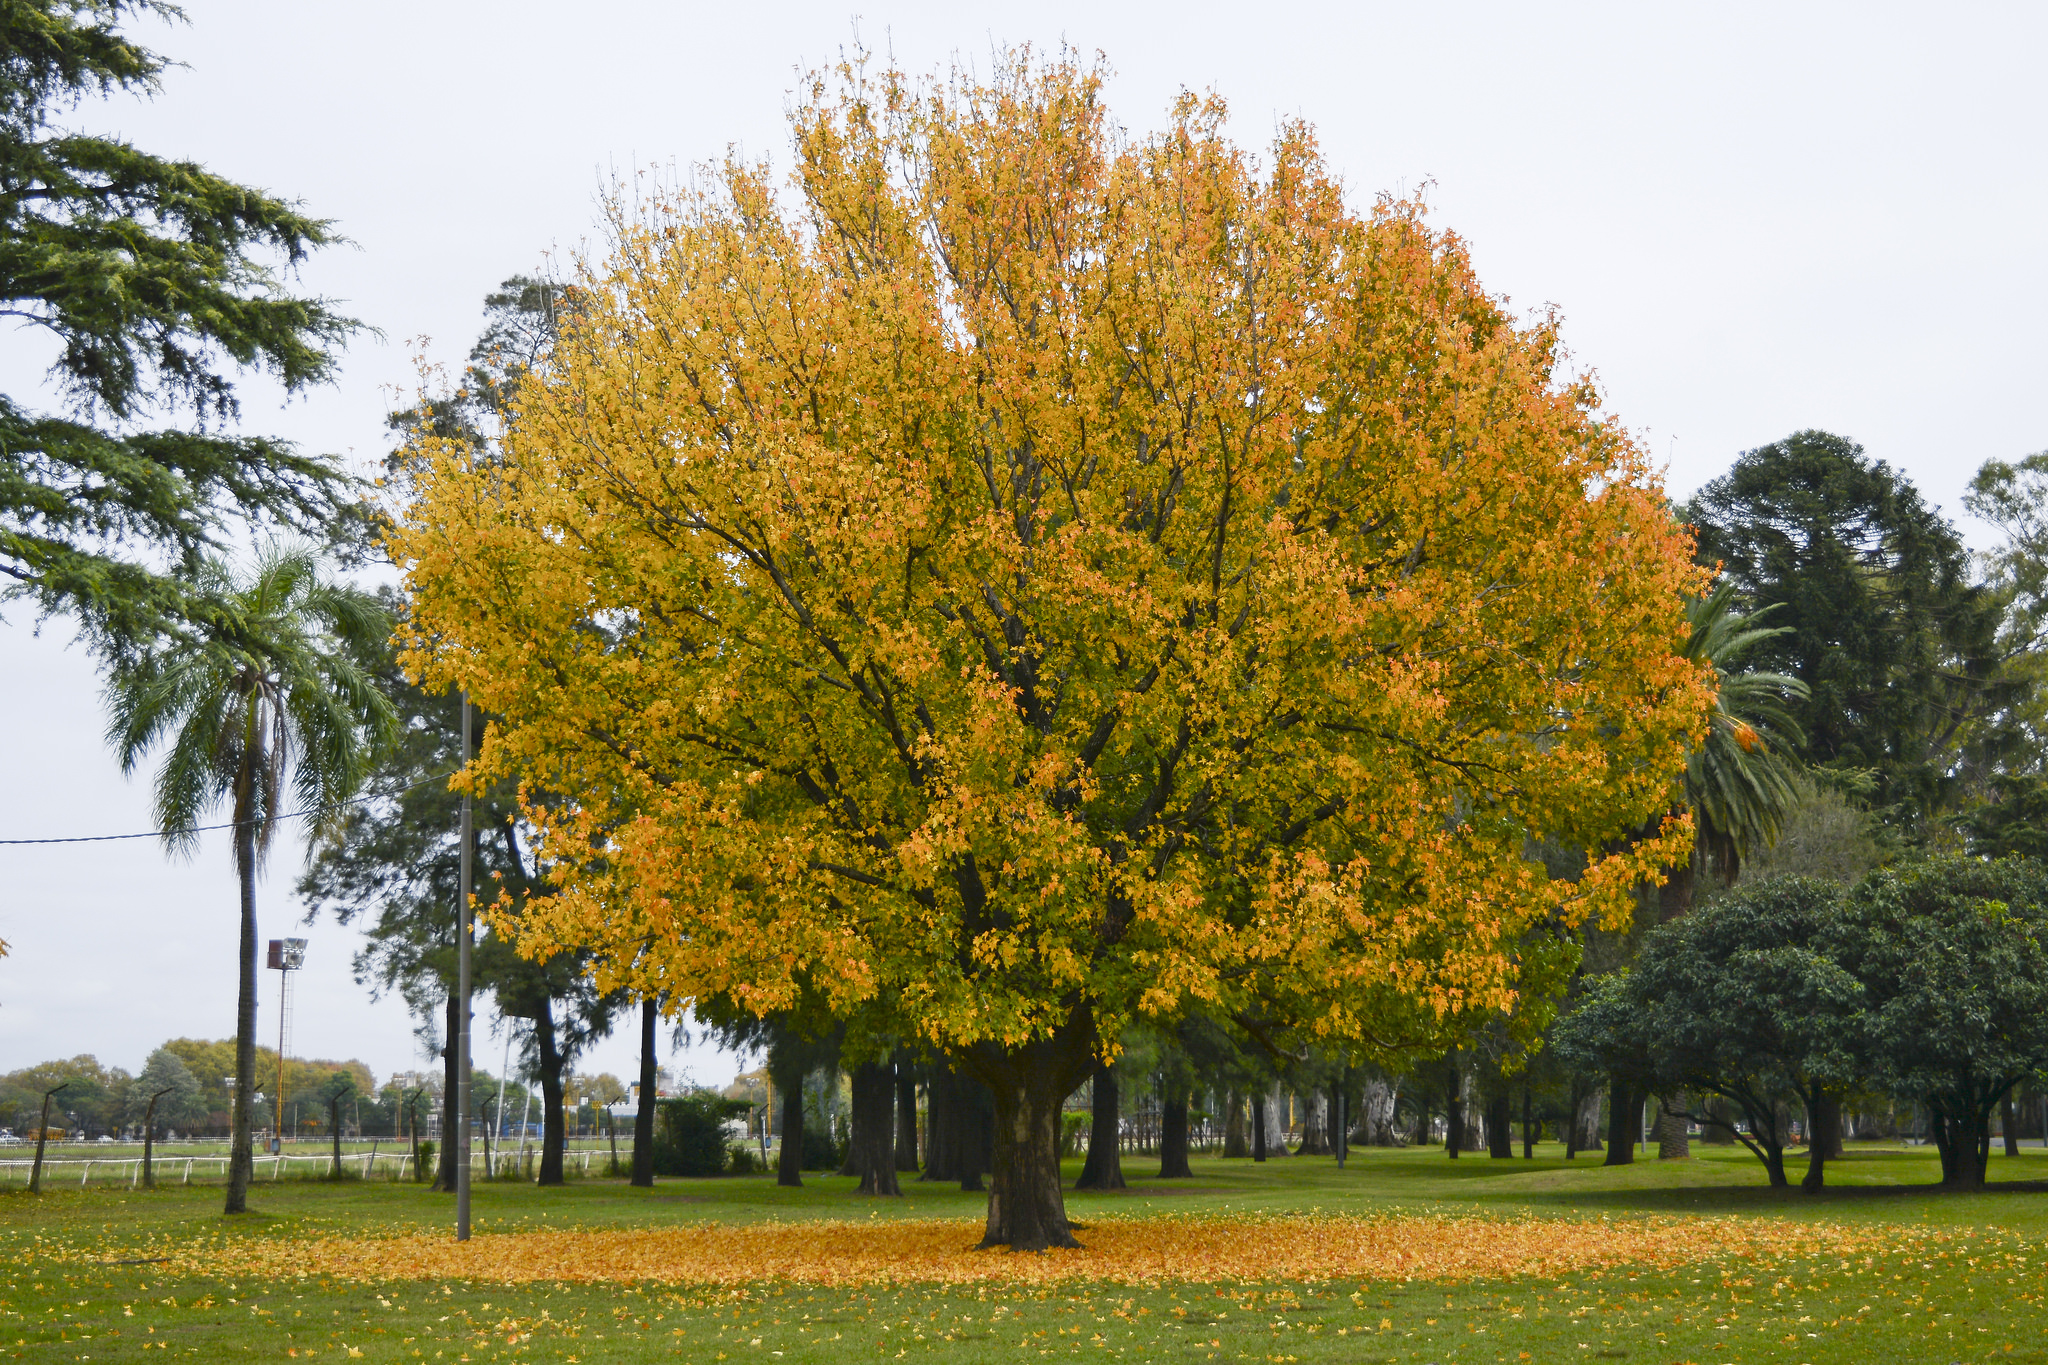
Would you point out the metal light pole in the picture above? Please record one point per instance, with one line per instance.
(460, 1137)
(287, 955)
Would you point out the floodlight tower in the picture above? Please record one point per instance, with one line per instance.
(287, 955)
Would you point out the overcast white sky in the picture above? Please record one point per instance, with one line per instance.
(1754, 218)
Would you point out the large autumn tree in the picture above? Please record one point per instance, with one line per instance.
(1026, 579)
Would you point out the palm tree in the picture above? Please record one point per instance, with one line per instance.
(1741, 782)
(269, 708)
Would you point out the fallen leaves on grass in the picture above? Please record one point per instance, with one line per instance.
(1128, 1251)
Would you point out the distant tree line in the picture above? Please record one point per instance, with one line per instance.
(187, 1078)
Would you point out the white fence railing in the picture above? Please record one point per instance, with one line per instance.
(172, 1167)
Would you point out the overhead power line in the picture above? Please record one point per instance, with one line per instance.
(232, 824)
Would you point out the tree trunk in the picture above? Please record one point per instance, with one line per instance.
(1824, 1126)
(789, 1158)
(1236, 1141)
(1624, 1125)
(958, 1127)
(149, 1142)
(1965, 1147)
(1454, 1109)
(1500, 1126)
(1774, 1164)
(643, 1121)
(1276, 1121)
(786, 1075)
(2009, 1123)
(1722, 1133)
(1586, 1122)
(941, 1123)
(1026, 1209)
(1528, 1120)
(1104, 1168)
(906, 1114)
(975, 1126)
(1816, 1150)
(1376, 1110)
(871, 1148)
(444, 1166)
(496, 1122)
(554, 1135)
(334, 1133)
(1258, 1125)
(1672, 1142)
(1315, 1125)
(1173, 1133)
(241, 1161)
(1945, 1143)
(1340, 1125)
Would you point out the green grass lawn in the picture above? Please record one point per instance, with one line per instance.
(1976, 1290)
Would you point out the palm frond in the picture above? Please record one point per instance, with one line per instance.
(1740, 781)
(275, 702)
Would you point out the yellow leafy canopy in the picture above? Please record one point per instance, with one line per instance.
(1027, 575)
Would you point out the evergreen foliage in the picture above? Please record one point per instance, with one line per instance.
(1953, 957)
(1897, 646)
(157, 280)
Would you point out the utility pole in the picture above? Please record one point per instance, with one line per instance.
(462, 934)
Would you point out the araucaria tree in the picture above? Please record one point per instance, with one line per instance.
(1029, 580)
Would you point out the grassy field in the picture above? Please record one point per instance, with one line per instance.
(1879, 1268)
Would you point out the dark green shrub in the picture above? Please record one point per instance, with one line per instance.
(424, 1168)
(743, 1161)
(821, 1153)
(689, 1133)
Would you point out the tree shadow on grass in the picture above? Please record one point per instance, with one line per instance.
(1885, 1202)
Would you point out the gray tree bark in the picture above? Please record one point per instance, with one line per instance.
(1672, 1142)
(1587, 1123)
(1316, 1138)
(1276, 1121)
